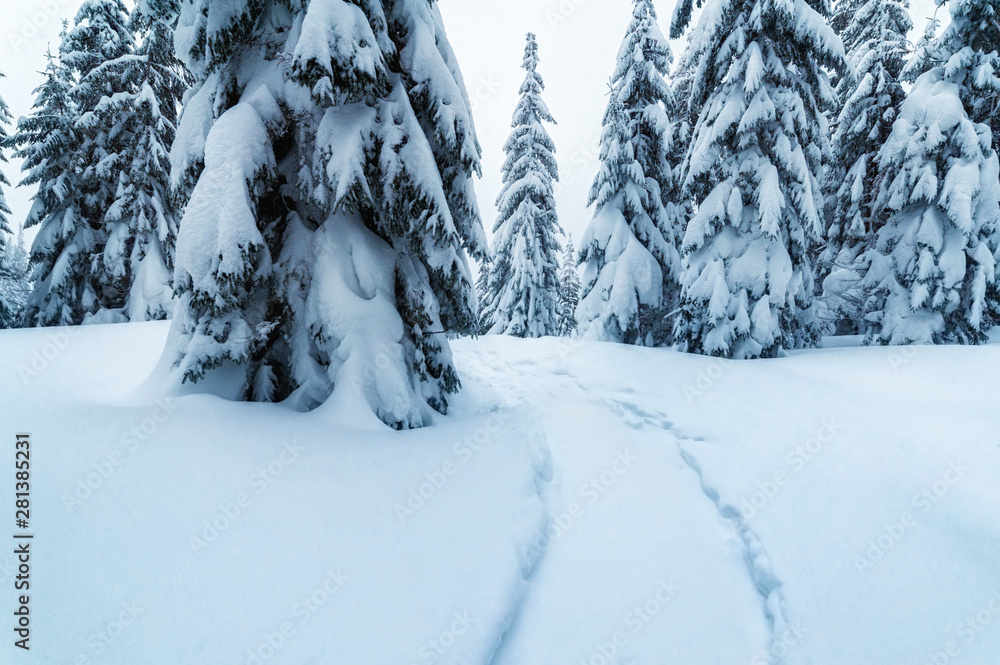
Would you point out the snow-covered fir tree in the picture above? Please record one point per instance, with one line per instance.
(569, 291)
(870, 92)
(639, 85)
(523, 287)
(754, 169)
(486, 304)
(5, 119)
(136, 266)
(93, 49)
(622, 279)
(14, 284)
(930, 274)
(11, 272)
(658, 137)
(971, 42)
(61, 254)
(329, 149)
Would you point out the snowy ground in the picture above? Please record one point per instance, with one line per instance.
(836, 507)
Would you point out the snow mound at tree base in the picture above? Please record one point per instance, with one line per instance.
(196, 530)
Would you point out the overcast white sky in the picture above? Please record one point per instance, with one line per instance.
(578, 41)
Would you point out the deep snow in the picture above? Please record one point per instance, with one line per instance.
(835, 507)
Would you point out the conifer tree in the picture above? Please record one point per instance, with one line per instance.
(14, 285)
(5, 119)
(486, 304)
(754, 170)
(658, 129)
(639, 84)
(98, 41)
(524, 270)
(971, 45)
(569, 291)
(9, 268)
(329, 149)
(930, 274)
(99, 37)
(141, 219)
(622, 279)
(874, 34)
(61, 254)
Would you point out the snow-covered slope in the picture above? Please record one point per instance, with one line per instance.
(839, 506)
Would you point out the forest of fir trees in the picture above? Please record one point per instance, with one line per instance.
(799, 170)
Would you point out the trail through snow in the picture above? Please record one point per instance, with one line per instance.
(617, 583)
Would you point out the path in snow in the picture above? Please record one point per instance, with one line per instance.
(609, 588)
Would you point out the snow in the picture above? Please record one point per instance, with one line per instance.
(835, 506)
(216, 237)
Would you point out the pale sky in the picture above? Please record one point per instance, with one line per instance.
(578, 40)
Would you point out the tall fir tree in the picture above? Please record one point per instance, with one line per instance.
(639, 85)
(14, 284)
(870, 93)
(569, 291)
(622, 279)
(523, 287)
(328, 148)
(9, 308)
(93, 49)
(930, 275)
(754, 170)
(486, 304)
(5, 119)
(61, 254)
(136, 265)
(971, 42)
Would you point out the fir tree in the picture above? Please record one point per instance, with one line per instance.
(569, 292)
(12, 273)
(93, 49)
(929, 276)
(658, 137)
(5, 119)
(62, 290)
(141, 220)
(970, 49)
(14, 285)
(487, 307)
(523, 289)
(329, 151)
(639, 86)
(622, 279)
(754, 169)
(874, 34)
(99, 37)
